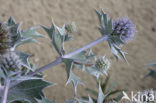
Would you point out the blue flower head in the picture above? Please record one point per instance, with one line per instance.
(124, 29)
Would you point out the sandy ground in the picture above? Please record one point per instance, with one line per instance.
(140, 52)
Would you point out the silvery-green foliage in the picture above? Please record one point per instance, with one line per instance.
(58, 36)
(100, 98)
(15, 36)
(88, 62)
(28, 91)
(14, 65)
(84, 62)
(25, 80)
(24, 59)
(70, 76)
(108, 90)
(25, 36)
(28, 36)
(106, 25)
(101, 95)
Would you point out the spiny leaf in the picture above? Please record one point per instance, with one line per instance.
(101, 96)
(24, 40)
(28, 36)
(116, 51)
(61, 30)
(71, 77)
(56, 40)
(105, 24)
(102, 30)
(104, 17)
(121, 53)
(24, 58)
(93, 71)
(50, 31)
(28, 90)
(11, 21)
(14, 29)
(58, 36)
(99, 15)
(31, 33)
(22, 36)
(110, 27)
(90, 100)
(57, 43)
(104, 90)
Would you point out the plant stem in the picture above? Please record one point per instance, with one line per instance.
(5, 92)
(1, 88)
(59, 60)
(103, 38)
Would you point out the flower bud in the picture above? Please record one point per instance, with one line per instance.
(102, 63)
(71, 27)
(10, 61)
(124, 29)
(8, 36)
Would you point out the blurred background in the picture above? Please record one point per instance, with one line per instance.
(141, 51)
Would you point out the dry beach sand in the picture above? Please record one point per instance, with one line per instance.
(140, 52)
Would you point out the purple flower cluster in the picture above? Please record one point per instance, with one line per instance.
(124, 28)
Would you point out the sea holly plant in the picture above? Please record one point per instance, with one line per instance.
(22, 82)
